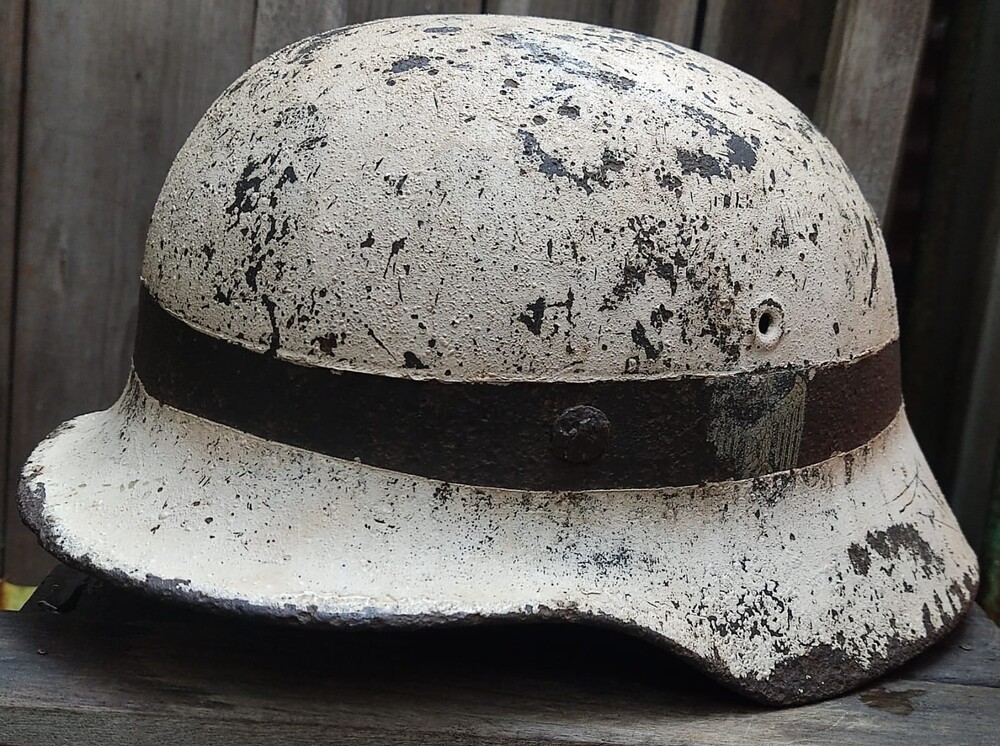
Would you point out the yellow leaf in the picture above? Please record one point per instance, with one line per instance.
(13, 597)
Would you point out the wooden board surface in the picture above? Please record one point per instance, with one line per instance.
(116, 669)
(281, 22)
(953, 267)
(782, 42)
(864, 98)
(359, 11)
(673, 20)
(11, 59)
(113, 88)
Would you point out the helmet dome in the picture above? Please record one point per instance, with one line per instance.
(486, 199)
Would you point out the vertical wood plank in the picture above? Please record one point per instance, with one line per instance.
(864, 99)
(11, 58)
(979, 443)
(113, 88)
(283, 22)
(367, 10)
(673, 20)
(782, 42)
(953, 256)
(588, 11)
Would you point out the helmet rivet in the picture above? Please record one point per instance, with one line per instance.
(581, 434)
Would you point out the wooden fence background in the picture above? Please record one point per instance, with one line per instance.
(96, 97)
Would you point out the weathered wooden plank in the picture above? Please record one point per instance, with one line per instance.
(953, 257)
(367, 10)
(864, 99)
(588, 11)
(930, 713)
(970, 655)
(11, 60)
(673, 20)
(281, 22)
(782, 42)
(120, 669)
(113, 88)
(979, 444)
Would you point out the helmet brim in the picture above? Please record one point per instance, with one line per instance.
(788, 588)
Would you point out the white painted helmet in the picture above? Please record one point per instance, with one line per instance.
(446, 319)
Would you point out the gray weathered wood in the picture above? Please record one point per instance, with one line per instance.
(11, 54)
(979, 444)
(871, 66)
(116, 669)
(953, 259)
(282, 22)
(589, 11)
(366, 10)
(113, 88)
(971, 655)
(673, 20)
(782, 42)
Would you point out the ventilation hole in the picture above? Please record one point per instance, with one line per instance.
(770, 322)
(764, 322)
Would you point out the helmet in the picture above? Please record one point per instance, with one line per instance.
(448, 319)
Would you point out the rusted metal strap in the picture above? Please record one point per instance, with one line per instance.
(635, 433)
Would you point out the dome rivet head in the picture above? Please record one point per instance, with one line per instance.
(581, 434)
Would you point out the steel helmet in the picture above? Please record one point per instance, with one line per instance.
(447, 319)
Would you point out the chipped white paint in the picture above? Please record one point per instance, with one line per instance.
(491, 199)
(514, 199)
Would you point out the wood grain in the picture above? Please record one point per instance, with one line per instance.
(673, 20)
(782, 42)
(588, 11)
(864, 99)
(367, 10)
(281, 22)
(11, 59)
(953, 264)
(978, 451)
(113, 88)
(117, 669)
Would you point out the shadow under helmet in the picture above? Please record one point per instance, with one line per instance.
(446, 319)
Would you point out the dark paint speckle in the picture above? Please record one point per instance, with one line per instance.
(410, 360)
(412, 62)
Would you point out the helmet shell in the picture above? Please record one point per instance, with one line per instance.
(477, 206)
(501, 200)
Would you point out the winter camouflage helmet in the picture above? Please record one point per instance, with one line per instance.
(446, 319)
